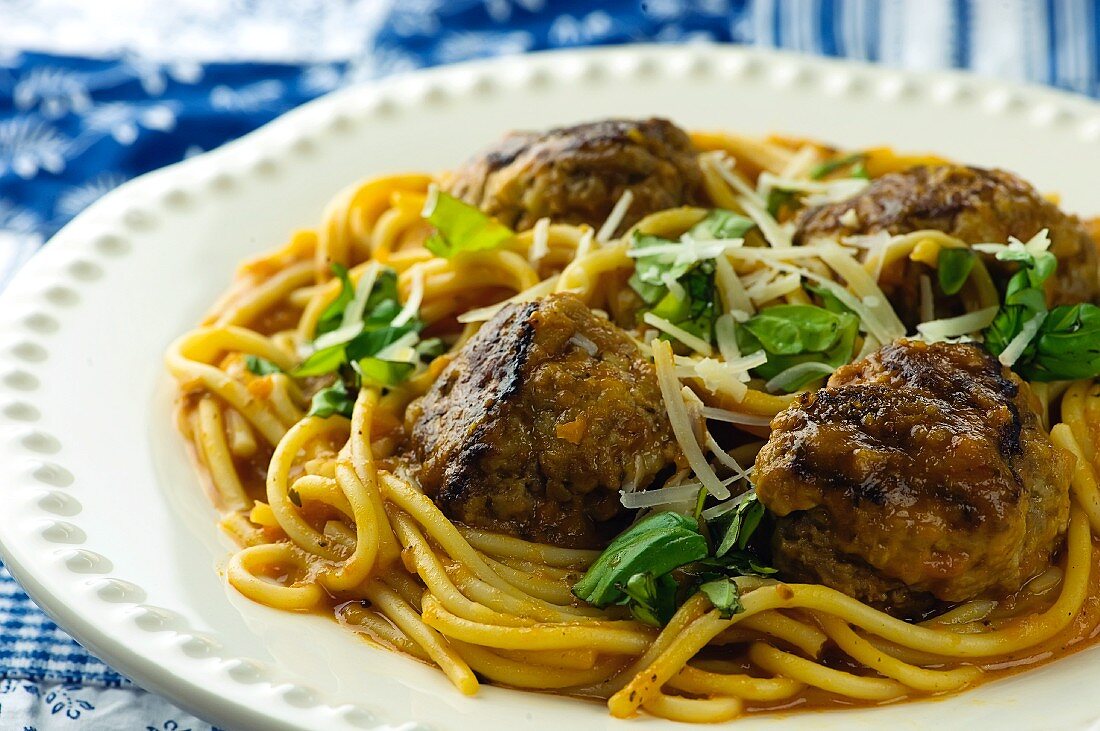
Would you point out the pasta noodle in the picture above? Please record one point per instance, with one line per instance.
(329, 521)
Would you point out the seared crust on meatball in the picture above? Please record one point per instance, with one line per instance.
(919, 475)
(972, 204)
(577, 174)
(537, 423)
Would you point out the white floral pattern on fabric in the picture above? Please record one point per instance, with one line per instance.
(32, 706)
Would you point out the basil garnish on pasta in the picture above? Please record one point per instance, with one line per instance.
(366, 338)
(260, 366)
(637, 569)
(676, 281)
(953, 268)
(460, 227)
(794, 335)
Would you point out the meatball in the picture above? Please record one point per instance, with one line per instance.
(577, 174)
(538, 422)
(917, 476)
(972, 204)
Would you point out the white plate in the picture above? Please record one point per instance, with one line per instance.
(103, 520)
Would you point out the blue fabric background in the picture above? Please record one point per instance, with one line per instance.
(72, 128)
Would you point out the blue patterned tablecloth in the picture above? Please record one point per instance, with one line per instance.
(89, 99)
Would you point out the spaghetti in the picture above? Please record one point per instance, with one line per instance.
(326, 516)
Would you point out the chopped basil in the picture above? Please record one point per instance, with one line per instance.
(856, 161)
(335, 399)
(636, 570)
(794, 334)
(260, 366)
(1067, 346)
(953, 268)
(294, 496)
(692, 303)
(656, 544)
(379, 372)
(651, 600)
(724, 595)
(1024, 297)
(461, 227)
(743, 522)
(721, 224)
(333, 314)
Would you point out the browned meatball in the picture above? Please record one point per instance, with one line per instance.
(972, 204)
(918, 475)
(537, 423)
(577, 174)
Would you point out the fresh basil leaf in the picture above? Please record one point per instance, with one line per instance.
(724, 595)
(855, 159)
(722, 224)
(794, 334)
(953, 268)
(323, 361)
(378, 372)
(743, 521)
(656, 544)
(332, 400)
(1067, 346)
(739, 563)
(260, 366)
(652, 600)
(333, 315)
(794, 329)
(1024, 298)
(371, 342)
(460, 227)
(829, 300)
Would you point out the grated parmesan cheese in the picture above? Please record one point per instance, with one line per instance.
(1018, 344)
(695, 343)
(954, 327)
(784, 379)
(352, 324)
(540, 241)
(416, 296)
(735, 417)
(615, 218)
(730, 288)
(678, 417)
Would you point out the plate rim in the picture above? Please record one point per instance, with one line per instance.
(126, 209)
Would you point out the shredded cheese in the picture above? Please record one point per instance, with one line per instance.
(735, 417)
(773, 233)
(820, 192)
(863, 285)
(784, 379)
(416, 296)
(774, 288)
(730, 288)
(678, 418)
(954, 327)
(723, 165)
(618, 212)
(724, 507)
(540, 241)
(584, 245)
(660, 496)
(352, 324)
(1018, 344)
(695, 343)
(726, 337)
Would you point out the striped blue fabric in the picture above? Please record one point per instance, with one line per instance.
(175, 81)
